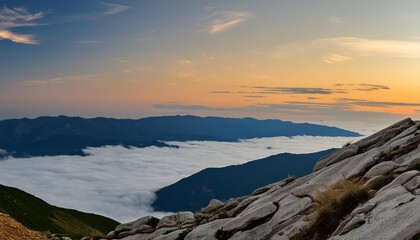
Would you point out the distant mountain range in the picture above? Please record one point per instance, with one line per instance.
(38, 215)
(62, 135)
(194, 192)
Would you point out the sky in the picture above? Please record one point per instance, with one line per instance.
(120, 182)
(320, 60)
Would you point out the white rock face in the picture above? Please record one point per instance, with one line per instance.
(388, 162)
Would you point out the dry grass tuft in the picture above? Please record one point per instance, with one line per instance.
(289, 179)
(332, 205)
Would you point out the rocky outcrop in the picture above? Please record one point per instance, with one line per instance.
(387, 164)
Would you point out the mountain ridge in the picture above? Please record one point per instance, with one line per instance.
(62, 135)
(194, 192)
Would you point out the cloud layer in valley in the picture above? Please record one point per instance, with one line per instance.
(120, 182)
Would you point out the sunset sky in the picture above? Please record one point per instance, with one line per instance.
(296, 60)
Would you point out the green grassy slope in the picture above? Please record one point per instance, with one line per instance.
(38, 215)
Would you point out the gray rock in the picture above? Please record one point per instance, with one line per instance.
(381, 169)
(413, 184)
(400, 180)
(357, 221)
(214, 204)
(241, 222)
(171, 236)
(180, 219)
(341, 154)
(375, 181)
(206, 231)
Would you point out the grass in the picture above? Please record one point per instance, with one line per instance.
(289, 179)
(331, 206)
(38, 215)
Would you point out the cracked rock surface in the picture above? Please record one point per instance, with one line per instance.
(388, 162)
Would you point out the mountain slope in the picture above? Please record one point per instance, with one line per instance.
(70, 135)
(194, 192)
(38, 215)
(367, 190)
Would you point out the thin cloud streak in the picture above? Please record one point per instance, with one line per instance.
(365, 103)
(342, 109)
(350, 47)
(18, 38)
(222, 21)
(364, 87)
(336, 58)
(40, 82)
(113, 8)
(375, 47)
(18, 17)
(296, 90)
(109, 9)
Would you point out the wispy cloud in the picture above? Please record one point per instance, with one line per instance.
(363, 87)
(61, 79)
(375, 47)
(339, 110)
(222, 21)
(295, 90)
(18, 17)
(108, 9)
(146, 36)
(185, 62)
(367, 103)
(343, 49)
(254, 96)
(41, 82)
(113, 8)
(336, 58)
(18, 38)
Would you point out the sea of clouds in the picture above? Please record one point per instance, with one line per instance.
(120, 182)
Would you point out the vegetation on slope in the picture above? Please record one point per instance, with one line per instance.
(38, 215)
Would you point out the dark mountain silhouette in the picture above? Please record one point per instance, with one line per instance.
(64, 135)
(194, 192)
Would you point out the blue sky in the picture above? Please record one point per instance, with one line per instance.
(156, 57)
